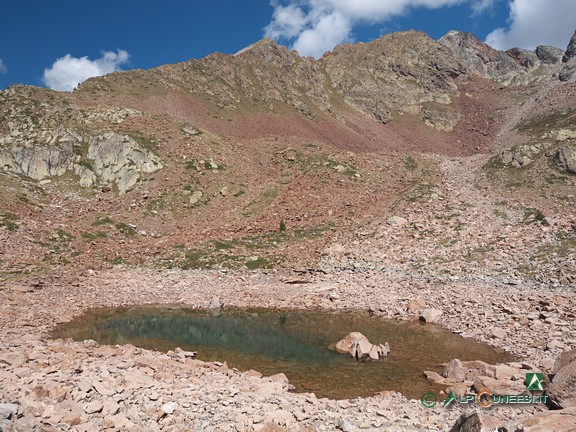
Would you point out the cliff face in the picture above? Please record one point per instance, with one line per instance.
(515, 66)
(568, 72)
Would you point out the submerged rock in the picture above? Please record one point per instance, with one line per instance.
(357, 346)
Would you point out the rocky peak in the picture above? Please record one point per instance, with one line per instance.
(571, 50)
(263, 48)
(548, 54)
(568, 72)
(525, 58)
(479, 57)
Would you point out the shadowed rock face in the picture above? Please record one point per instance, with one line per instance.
(571, 50)
(549, 54)
(479, 57)
(568, 72)
(566, 158)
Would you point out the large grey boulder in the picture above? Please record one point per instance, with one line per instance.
(565, 158)
(561, 389)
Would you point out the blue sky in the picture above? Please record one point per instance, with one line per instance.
(92, 38)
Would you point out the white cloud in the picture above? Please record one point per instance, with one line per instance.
(316, 26)
(3, 68)
(67, 72)
(536, 22)
(329, 31)
(481, 6)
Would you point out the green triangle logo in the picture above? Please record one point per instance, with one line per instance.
(535, 381)
(451, 398)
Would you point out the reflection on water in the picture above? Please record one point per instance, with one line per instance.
(292, 342)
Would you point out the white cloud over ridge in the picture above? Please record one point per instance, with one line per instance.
(3, 68)
(67, 72)
(316, 26)
(536, 22)
(481, 6)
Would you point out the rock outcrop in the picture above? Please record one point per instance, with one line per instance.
(570, 53)
(357, 346)
(513, 66)
(481, 58)
(568, 72)
(120, 160)
(565, 158)
(549, 54)
(561, 389)
(110, 158)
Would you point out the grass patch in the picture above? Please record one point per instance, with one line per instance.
(144, 141)
(262, 202)
(533, 215)
(127, 230)
(104, 221)
(500, 213)
(542, 124)
(221, 245)
(410, 164)
(93, 236)
(258, 263)
(192, 165)
(420, 191)
(23, 198)
(553, 179)
(236, 253)
(64, 235)
(8, 220)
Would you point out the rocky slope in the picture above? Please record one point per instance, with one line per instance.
(257, 138)
(398, 176)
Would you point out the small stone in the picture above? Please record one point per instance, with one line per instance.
(499, 333)
(396, 221)
(346, 425)
(110, 407)
(8, 410)
(430, 315)
(169, 408)
(103, 389)
(93, 407)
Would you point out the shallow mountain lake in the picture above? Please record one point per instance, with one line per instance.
(292, 342)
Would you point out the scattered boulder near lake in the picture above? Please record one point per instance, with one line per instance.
(357, 346)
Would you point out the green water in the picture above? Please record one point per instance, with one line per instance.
(293, 342)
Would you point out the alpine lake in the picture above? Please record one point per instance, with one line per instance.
(295, 342)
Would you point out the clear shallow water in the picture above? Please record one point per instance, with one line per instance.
(293, 342)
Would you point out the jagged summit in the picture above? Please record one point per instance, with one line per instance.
(265, 43)
(478, 56)
(514, 65)
(570, 50)
(568, 72)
